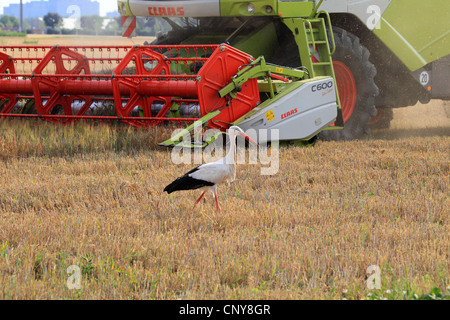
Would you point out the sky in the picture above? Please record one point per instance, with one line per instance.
(105, 5)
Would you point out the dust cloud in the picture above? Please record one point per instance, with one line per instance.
(432, 119)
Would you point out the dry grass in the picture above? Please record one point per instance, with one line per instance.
(92, 197)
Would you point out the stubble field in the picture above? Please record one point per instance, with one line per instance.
(91, 197)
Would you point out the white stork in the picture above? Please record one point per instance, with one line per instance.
(207, 176)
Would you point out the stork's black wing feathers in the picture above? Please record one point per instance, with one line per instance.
(187, 183)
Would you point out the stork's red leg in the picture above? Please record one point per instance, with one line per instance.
(217, 202)
(200, 198)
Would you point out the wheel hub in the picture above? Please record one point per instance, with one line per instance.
(346, 88)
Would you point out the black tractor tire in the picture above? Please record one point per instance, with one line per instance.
(355, 57)
(383, 119)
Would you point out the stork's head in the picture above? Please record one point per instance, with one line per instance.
(234, 131)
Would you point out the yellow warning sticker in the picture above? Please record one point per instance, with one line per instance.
(270, 116)
(279, 70)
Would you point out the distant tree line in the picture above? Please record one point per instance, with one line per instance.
(9, 22)
(94, 25)
(52, 23)
(9, 26)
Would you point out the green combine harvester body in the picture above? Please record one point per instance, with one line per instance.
(388, 53)
(416, 31)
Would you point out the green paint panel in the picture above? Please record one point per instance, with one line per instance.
(417, 31)
(205, 39)
(295, 9)
(233, 8)
(261, 42)
(124, 8)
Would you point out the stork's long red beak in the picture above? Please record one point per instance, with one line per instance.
(246, 137)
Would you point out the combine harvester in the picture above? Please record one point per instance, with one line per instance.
(262, 64)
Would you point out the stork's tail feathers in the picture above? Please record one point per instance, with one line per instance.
(171, 187)
(186, 182)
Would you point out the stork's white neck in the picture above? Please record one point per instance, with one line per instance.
(230, 158)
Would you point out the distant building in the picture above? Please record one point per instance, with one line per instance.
(113, 14)
(65, 8)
